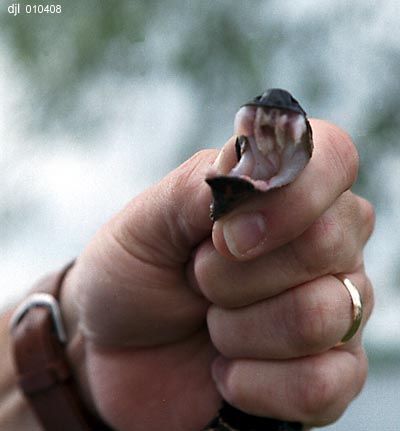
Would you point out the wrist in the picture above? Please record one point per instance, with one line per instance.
(44, 370)
(76, 341)
(15, 412)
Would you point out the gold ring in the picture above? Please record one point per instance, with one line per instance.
(357, 309)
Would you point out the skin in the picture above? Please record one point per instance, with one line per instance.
(137, 300)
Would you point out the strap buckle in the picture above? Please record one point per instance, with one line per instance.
(41, 300)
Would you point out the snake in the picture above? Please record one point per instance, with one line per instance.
(273, 145)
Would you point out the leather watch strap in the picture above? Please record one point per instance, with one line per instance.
(44, 374)
(46, 379)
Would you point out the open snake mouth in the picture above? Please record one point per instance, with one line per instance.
(274, 144)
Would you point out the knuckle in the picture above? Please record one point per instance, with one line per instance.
(369, 216)
(368, 298)
(185, 179)
(344, 154)
(324, 241)
(311, 327)
(202, 155)
(317, 394)
(362, 371)
(183, 174)
(325, 388)
(222, 330)
(233, 391)
(211, 277)
(205, 276)
(328, 237)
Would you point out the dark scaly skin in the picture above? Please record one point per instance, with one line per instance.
(228, 193)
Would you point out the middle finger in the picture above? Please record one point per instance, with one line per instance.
(332, 244)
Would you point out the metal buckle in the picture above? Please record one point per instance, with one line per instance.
(41, 300)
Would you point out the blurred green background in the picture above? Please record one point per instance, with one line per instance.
(100, 101)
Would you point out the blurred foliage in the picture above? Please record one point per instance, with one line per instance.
(213, 44)
(224, 50)
(61, 53)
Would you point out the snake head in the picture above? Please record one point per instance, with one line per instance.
(273, 146)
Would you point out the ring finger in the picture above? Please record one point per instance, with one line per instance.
(302, 321)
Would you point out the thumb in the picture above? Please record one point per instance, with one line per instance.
(163, 224)
(129, 285)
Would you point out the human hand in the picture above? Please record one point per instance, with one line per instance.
(137, 299)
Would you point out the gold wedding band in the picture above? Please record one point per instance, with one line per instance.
(357, 309)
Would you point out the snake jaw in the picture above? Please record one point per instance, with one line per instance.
(273, 146)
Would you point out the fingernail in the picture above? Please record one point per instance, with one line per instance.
(244, 232)
(213, 169)
(217, 160)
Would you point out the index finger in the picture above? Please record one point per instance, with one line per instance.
(268, 221)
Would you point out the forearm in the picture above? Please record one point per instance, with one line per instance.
(15, 413)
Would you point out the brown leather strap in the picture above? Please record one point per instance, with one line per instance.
(46, 379)
(43, 370)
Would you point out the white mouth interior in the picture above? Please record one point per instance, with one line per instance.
(275, 150)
